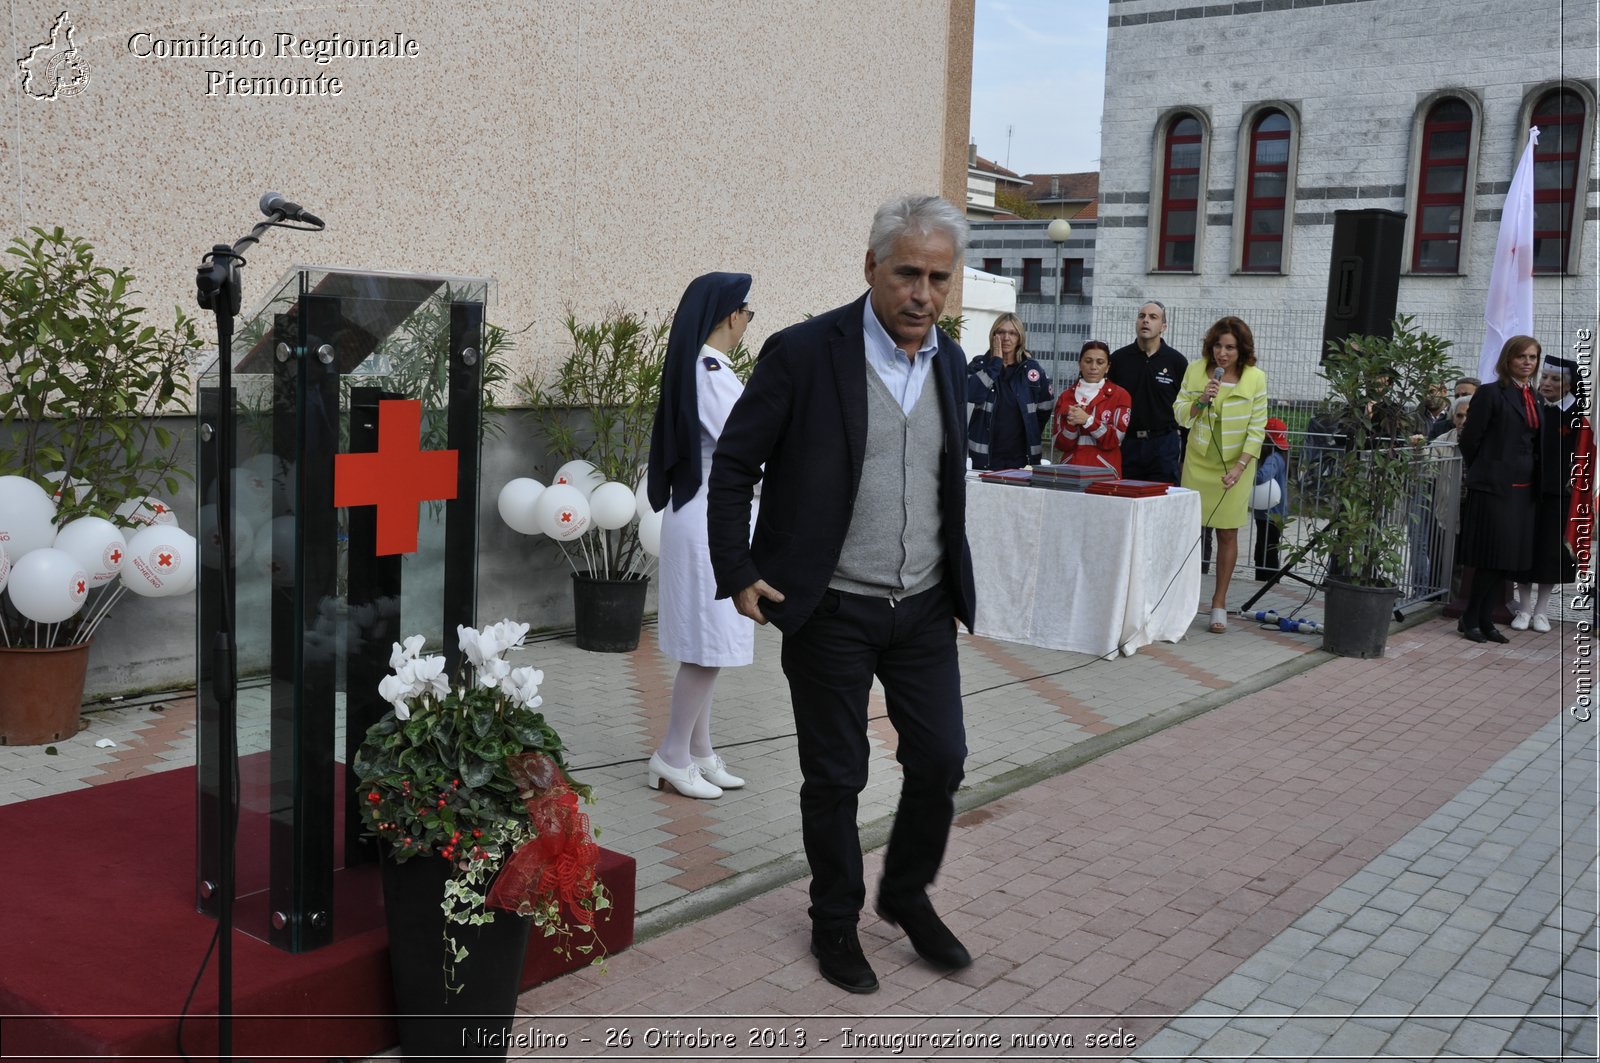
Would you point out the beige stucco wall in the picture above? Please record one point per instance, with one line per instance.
(583, 152)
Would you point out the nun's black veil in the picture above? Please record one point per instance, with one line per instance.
(675, 439)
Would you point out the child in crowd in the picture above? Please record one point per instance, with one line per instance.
(1273, 468)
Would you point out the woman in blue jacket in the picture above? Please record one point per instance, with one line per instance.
(1011, 401)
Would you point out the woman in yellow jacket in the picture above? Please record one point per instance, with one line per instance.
(1223, 404)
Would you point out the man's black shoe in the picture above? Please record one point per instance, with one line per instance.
(840, 960)
(1493, 635)
(1472, 634)
(929, 936)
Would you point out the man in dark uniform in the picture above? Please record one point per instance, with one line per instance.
(1151, 372)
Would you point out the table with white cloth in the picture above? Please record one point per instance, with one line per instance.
(1088, 573)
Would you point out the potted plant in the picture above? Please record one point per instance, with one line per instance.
(1376, 384)
(83, 380)
(465, 784)
(595, 415)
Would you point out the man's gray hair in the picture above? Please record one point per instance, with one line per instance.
(922, 215)
(1456, 404)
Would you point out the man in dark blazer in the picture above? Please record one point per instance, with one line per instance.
(853, 423)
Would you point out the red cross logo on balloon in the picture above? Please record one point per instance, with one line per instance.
(116, 556)
(164, 560)
(397, 477)
(82, 588)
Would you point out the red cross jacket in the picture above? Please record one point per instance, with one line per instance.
(1098, 442)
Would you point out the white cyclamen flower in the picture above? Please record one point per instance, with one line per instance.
(429, 676)
(522, 687)
(406, 652)
(492, 671)
(396, 692)
(510, 634)
(472, 642)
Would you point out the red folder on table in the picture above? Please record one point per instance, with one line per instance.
(1128, 488)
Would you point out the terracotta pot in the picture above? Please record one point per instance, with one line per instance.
(43, 692)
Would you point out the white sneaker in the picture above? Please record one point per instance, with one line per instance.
(715, 771)
(1520, 622)
(686, 781)
(1540, 622)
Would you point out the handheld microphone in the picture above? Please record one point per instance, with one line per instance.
(1215, 375)
(273, 203)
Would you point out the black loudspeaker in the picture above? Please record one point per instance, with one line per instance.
(1364, 277)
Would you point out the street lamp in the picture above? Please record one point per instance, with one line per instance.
(1058, 231)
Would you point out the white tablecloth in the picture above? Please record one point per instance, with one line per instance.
(1087, 573)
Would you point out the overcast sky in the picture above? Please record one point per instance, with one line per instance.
(1038, 67)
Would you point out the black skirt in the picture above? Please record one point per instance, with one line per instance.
(1497, 530)
(1552, 561)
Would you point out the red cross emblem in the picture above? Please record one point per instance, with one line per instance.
(160, 508)
(398, 477)
(163, 559)
(116, 556)
(83, 588)
(566, 516)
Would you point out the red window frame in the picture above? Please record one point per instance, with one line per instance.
(1254, 203)
(1171, 207)
(1565, 108)
(1437, 121)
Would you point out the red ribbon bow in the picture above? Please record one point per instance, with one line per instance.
(560, 863)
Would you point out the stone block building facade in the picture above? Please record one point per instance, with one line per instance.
(1234, 131)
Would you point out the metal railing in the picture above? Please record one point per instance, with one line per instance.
(1424, 523)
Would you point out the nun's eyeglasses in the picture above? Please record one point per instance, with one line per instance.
(749, 314)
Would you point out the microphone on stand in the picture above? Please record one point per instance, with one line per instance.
(1204, 403)
(275, 206)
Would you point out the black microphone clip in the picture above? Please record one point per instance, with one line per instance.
(276, 207)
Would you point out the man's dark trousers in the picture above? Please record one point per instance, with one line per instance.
(910, 644)
(1158, 458)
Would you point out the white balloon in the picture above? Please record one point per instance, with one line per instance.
(96, 545)
(158, 559)
(641, 496)
(275, 540)
(580, 474)
(650, 533)
(48, 586)
(563, 512)
(612, 505)
(244, 536)
(188, 579)
(14, 490)
(5, 567)
(516, 503)
(146, 512)
(252, 491)
(27, 517)
(1265, 495)
(62, 486)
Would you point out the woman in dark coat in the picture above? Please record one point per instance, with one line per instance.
(1500, 445)
(1565, 435)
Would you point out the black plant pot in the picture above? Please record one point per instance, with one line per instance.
(1356, 620)
(608, 613)
(436, 1023)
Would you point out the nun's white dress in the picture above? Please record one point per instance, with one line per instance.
(693, 625)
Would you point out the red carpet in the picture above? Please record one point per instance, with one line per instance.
(101, 941)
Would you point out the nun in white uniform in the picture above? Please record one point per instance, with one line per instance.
(704, 635)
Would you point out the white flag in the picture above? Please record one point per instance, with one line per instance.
(1509, 311)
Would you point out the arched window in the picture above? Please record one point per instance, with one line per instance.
(1560, 116)
(1444, 166)
(1266, 192)
(1183, 153)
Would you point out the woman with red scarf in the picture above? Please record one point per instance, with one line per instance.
(1092, 415)
(1500, 445)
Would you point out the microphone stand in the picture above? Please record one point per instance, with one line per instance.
(218, 290)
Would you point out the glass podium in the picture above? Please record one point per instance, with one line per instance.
(345, 385)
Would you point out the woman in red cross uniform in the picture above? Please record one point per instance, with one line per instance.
(1092, 415)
